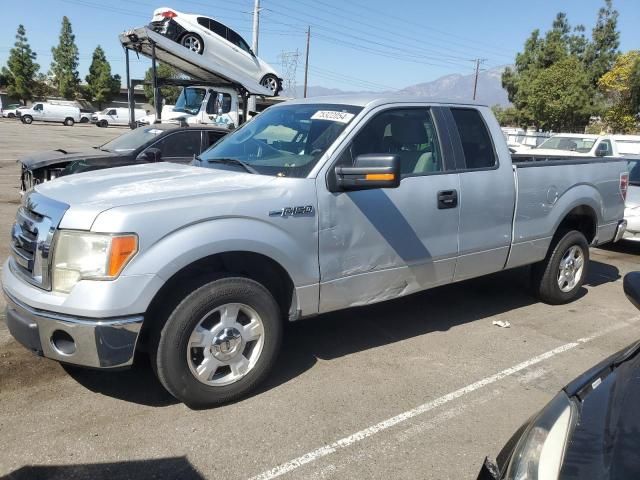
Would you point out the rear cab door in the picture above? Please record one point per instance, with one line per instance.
(487, 184)
(383, 243)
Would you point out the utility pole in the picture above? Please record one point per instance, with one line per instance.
(306, 63)
(475, 82)
(254, 47)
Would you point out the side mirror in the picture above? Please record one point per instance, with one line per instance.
(370, 171)
(602, 150)
(150, 155)
(631, 287)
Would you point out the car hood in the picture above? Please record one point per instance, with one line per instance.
(52, 157)
(605, 442)
(104, 189)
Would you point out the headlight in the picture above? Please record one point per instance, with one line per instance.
(84, 255)
(540, 452)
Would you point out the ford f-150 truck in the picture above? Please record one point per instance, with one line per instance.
(313, 206)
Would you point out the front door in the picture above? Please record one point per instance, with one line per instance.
(384, 243)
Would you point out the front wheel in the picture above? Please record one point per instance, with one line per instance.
(559, 277)
(103, 123)
(219, 343)
(28, 119)
(272, 83)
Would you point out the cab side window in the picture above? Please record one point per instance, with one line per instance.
(605, 145)
(476, 142)
(209, 138)
(238, 41)
(180, 144)
(409, 133)
(211, 103)
(218, 28)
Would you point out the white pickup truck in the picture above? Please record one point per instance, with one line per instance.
(585, 145)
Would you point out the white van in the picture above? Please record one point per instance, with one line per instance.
(46, 112)
(115, 116)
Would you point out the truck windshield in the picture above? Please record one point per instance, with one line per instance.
(190, 100)
(570, 144)
(132, 140)
(285, 141)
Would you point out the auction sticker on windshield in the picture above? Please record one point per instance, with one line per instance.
(333, 116)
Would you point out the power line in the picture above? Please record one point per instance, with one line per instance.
(402, 50)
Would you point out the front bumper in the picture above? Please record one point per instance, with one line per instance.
(97, 343)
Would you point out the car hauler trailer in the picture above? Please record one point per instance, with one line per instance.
(206, 72)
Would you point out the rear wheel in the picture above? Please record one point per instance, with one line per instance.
(11, 115)
(28, 119)
(559, 277)
(272, 83)
(219, 343)
(193, 42)
(69, 122)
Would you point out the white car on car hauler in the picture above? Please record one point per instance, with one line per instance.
(210, 38)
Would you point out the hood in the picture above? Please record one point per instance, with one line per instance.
(51, 157)
(608, 431)
(104, 189)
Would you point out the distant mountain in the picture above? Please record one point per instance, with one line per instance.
(460, 87)
(454, 87)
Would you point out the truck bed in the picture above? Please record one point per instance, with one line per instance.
(548, 187)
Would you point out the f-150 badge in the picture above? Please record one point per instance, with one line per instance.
(292, 211)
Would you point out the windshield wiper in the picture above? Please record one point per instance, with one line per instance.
(232, 161)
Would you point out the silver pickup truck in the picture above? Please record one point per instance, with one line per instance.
(311, 207)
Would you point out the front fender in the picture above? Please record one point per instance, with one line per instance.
(182, 247)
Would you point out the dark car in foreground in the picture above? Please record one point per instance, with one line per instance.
(590, 430)
(152, 143)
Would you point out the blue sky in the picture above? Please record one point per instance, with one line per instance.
(355, 45)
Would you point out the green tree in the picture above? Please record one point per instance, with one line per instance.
(21, 68)
(602, 52)
(617, 85)
(593, 57)
(561, 98)
(170, 94)
(42, 87)
(507, 117)
(64, 66)
(635, 88)
(101, 85)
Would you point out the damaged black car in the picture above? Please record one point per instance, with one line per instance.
(153, 143)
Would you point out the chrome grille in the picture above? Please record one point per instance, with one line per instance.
(32, 236)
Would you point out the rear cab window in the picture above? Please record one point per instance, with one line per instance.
(476, 141)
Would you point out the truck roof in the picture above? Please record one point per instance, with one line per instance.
(373, 99)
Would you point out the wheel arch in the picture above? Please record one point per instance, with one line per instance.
(582, 218)
(256, 266)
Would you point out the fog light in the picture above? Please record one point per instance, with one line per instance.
(63, 343)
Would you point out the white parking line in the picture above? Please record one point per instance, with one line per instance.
(425, 407)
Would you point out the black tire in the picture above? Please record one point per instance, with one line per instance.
(11, 115)
(69, 122)
(28, 119)
(545, 275)
(193, 42)
(273, 83)
(103, 124)
(169, 348)
(84, 120)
